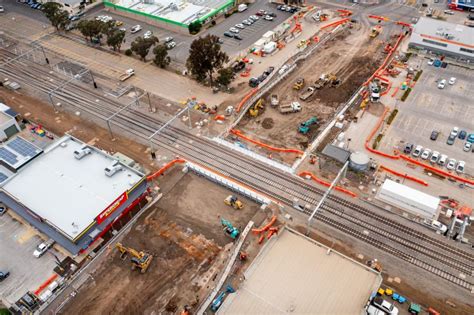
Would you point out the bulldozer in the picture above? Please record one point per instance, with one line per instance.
(298, 84)
(138, 259)
(306, 126)
(229, 229)
(254, 110)
(232, 201)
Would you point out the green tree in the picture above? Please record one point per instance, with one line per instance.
(141, 46)
(90, 28)
(115, 39)
(59, 18)
(205, 57)
(194, 27)
(225, 76)
(108, 28)
(161, 56)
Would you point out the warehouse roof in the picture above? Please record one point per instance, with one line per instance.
(67, 192)
(444, 30)
(294, 274)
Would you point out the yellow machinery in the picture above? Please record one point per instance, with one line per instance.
(232, 201)
(254, 110)
(375, 264)
(333, 80)
(298, 84)
(376, 30)
(141, 260)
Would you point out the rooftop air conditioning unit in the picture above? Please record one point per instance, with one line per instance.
(112, 168)
(82, 152)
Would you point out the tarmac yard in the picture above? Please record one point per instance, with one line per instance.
(184, 234)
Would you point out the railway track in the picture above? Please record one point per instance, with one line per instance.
(419, 249)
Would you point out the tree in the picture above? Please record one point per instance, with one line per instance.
(205, 57)
(58, 18)
(108, 28)
(90, 28)
(141, 46)
(115, 39)
(194, 27)
(161, 56)
(225, 76)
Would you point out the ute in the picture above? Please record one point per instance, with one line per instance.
(307, 93)
(128, 73)
(293, 107)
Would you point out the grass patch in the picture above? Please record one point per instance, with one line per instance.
(392, 116)
(405, 95)
(417, 76)
(377, 141)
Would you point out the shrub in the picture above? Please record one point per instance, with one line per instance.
(417, 76)
(392, 116)
(405, 95)
(128, 52)
(377, 141)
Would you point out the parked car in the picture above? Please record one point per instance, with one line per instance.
(261, 13)
(426, 154)
(4, 275)
(434, 157)
(460, 167)
(442, 160)
(448, 12)
(43, 248)
(384, 305)
(148, 34)
(408, 148)
(431, 61)
(253, 17)
(467, 147)
(170, 45)
(462, 134)
(168, 39)
(417, 151)
(451, 164)
(441, 84)
(2, 9)
(246, 22)
(254, 82)
(272, 14)
(238, 37)
(283, 69)
(240, 25)
(434, 135)
(452, 80)
(74, 18)
(451, 139)
(470, 138)
(269, 70)
(136, 29)
(268, 18)
(439, 226)
(3, 209)
(372, 310)
(455, 131)
(228, 34)
(234, 30)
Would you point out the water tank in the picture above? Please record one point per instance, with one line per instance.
(359, 161)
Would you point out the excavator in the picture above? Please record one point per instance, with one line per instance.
(298, 84)
(306, 126)
(229, 229)
(232, 201)
(254, 110)
(333, 80)
(138, 259)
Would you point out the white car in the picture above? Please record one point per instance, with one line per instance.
(2, 9)
(442, 160)
(372, 310)
(148, 34)
(283, 69)
(452, 80)
(171, 45)
(439, 226)
(434, 157)
(451, 164)
(234, 30)
(136, 29)
(168, 39)
(268, 18)
(253, 17)
(247, 22)
(417, 151)
(384, 305)
(430, 62)
(448, 12)
(467, 147)
(460, 167)
(442, 84)
(426, 154)
(240, 25)
(42, 248)
(454, 132)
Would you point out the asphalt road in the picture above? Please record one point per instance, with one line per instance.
(23, 9)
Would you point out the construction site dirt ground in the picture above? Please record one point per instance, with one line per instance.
(185, 236)
(352, 56)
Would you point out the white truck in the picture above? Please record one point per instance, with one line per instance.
(274, 101)
(128, 73)
(293, 107)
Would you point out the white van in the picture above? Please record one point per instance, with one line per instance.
(242, 7)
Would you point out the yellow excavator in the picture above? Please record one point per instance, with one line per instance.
(139, 260)
(254, 110)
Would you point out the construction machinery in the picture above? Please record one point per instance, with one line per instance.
(376, 30)
(375, 264)
(274, 100)
(218, 300)
(293, 107)
(255, 109)
(138, 259)
(232, 201)
(306, 126)
(298, 84)
(374, 91)
(307, 93)
(321, 82)
(229, 229)
(333, 80)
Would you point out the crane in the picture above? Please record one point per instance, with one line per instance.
(138, 259)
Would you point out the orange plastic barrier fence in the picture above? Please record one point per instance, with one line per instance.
(266, 227)
(245, 99)
(164, 168)
(269, 147)
(344, 12)
(381, 18)
(367, 141)
(219, 117)
(387, 89)
(395, 92)
(45, 284)
(322, 182)
(417, 180)
(336, 23)
(437, 170)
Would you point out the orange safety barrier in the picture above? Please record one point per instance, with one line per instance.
(372, 133)
(437, 170)
(266, 227)
(387, 89)
(245, 99)
(380, 18)
(416, 180)
(344, 12)
(322, 182)
(164, 168)
(245, 74)
(336, 23)
(269, 147)
(219, 117)
(45, 284)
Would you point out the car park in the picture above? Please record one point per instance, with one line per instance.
(441, 84)
(234, 30)
(170, 45)
(442, 160)
(229, 34)
(451, 164)
(384, 305)
(467, 147)
(462, 134)
(434, 135)
(136, 29)
(452, 80)
(451, 139)
(426, 154)
(240, 25)
(417, 151)
(434, 157)
(460, 167)
(408, 148)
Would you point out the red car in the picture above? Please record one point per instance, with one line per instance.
(261, 13)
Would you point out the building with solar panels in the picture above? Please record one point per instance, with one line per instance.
(8, 123)
(70, 191)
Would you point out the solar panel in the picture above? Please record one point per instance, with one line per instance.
(23, 147)
(3, 177)
(8, 156)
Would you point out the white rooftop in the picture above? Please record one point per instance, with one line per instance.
(294, 274)
(67, 192)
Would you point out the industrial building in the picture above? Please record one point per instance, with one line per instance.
(295, 274)
(71, 192)
(443, 38)
(172, 14)
(8, 123)
(412, 200)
